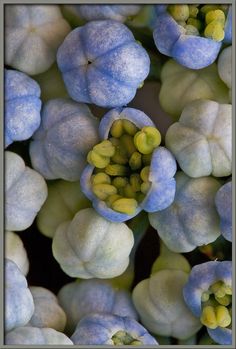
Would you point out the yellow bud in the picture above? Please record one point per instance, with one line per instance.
(135, 181)
(125, 205)
(129, 127)
(105, 148)
(116, 170)
(112, 198)
(101, 178)
(114, 141)
(208, 317)
(207, 8)
(145, 186)
(120, 182)
(102, 191)
(117, 128)
(193, 11)
(97, 160)
(205, 296)
(144, 174)
(119, 158)
(225, 300)
(129, 192)
(215, 15)
(223, 317)
(179, 12)
(147, 139)
(214, 31)
(195, 22)
(127, 142)
(135, 161)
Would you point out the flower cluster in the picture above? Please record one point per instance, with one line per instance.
(118, 131)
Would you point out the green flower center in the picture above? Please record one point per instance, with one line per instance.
(217, 306)
(122, 165)
(124, 338)
(204, 20)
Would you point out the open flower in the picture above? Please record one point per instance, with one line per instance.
(128, 171)
(111, 329)
(191, 34)
(208, 295)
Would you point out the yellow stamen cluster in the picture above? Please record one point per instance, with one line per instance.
(122, 165)
(216, 302)
(207, 20)
(124, 338)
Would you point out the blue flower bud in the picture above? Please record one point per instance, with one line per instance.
(22, 106)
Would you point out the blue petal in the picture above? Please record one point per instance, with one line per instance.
(107, 92)
(159, 9)
(77, 84)
(18, 84)
(71, 54)
(166, 33)
(221, 335)
(223, 202)
(128, 63)
(100, 37)
(160, 196)
(195, 52)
